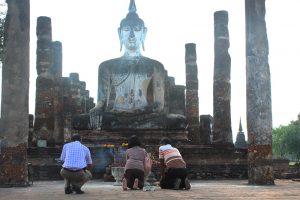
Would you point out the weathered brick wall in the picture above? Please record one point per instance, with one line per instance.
(203, 162)
(13, 166)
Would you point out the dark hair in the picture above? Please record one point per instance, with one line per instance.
(165, 141)
(76, 137)
(134, 141)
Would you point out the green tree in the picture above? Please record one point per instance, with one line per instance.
(286, 141)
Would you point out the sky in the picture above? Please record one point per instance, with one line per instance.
(88, 32)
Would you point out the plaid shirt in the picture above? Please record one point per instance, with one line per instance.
(75, 156)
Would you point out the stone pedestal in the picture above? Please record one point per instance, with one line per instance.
(148, 137)
(203, 162)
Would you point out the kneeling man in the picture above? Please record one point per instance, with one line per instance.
(77, 163)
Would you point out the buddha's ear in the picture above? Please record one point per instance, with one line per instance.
(120, 38)
(144, 36)
(145, 33)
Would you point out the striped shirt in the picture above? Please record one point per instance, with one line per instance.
(171, 156)
(75, 156)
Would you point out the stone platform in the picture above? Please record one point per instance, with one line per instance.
(201, 189)
(211, 162)
(203, 161)
(147, 136)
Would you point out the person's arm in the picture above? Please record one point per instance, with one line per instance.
(88, 159)
(126, 155)
(89, 167)
(63, 154)
(162, 167)
(162, 164)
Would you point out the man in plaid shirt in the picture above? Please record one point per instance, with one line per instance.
(77, 163)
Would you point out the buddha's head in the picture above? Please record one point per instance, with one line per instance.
(132, 31)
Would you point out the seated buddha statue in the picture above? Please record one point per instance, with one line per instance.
(131, 88)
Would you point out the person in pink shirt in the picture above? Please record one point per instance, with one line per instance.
(134, 167)
(173, 167)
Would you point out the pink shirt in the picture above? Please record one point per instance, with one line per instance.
(135, 157)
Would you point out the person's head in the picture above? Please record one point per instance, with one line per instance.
(76, 137)
(165, 141)
(134, 141)
(132, 31)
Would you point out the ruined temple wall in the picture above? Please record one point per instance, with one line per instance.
(58, 99)
(177, 99)
(76, 101)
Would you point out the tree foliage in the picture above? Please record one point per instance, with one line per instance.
(286, 140)
(3, 11)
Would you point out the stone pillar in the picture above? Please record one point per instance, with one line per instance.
(57, 60)
(44, 52)
(83, 96)
(58, 132)
(85, 101)
(205, 129)
(45, 87)
(222, 133)
(30, 132)
(75, 89)
(15, 81)
(258, 90)
(74, 102)
(67, 108)
(192, 99)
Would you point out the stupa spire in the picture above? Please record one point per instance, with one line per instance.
(240, 127)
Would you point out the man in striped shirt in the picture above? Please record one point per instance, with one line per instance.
(173, 167)
(77, 163)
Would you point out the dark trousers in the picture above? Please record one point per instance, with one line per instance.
(168, 181)
(131, 174)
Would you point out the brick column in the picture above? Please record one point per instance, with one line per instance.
(192, 100)
(45, 87)
(258, 90)
(15, 81)
(58, 131)
(222, 133)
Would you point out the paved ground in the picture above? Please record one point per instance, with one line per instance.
(97, 189)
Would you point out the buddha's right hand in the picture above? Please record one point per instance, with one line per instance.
(95, 115)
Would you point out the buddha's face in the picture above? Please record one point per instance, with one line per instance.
(132, 36)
